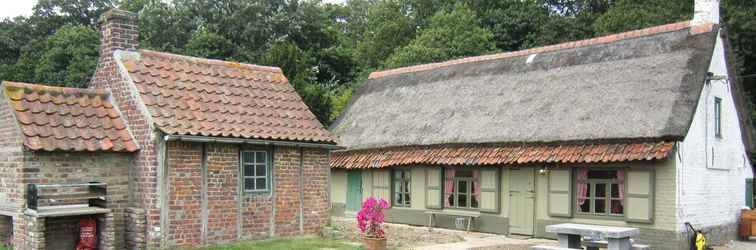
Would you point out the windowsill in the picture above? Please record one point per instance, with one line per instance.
(600, 217)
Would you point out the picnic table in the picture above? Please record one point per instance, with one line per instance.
(570, 235)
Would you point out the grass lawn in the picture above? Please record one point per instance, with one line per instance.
(287, 244)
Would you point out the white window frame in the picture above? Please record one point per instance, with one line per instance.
(255, 177)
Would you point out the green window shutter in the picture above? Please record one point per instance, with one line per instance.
(560, 193)
(434, 188)
(639, 195)
(489, 190)
(382, 184)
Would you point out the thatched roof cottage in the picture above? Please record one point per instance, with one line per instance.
(645, 129)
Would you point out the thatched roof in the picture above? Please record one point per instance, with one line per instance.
(635, 85)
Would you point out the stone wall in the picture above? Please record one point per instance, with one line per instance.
(206, 204)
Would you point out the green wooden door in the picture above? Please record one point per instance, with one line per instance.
(354, 190)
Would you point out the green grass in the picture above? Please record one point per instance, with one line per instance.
(286, 244)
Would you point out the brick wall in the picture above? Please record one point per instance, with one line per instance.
(118, 31)
(11, 191)
(59, 167)
(184, 193)
(6, 224)
(231, 215)
(316, 174)
(222, 192)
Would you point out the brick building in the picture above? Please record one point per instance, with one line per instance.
(191, 151)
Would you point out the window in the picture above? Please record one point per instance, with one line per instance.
(601, 192)
(462, 188)
(402, 188)
(718, 117)
(255, 171)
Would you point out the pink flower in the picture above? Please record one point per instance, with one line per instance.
(370, 218)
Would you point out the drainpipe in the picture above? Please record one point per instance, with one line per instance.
(204, 201)
(301, 191)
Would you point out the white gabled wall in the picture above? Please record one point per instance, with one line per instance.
(711, 170)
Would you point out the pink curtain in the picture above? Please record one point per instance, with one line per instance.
(448, 185)
(476, 184)
(582, 181)
(621, 185)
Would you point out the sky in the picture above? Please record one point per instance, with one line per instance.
(13, 8)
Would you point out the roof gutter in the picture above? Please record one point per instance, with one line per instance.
(195, 138)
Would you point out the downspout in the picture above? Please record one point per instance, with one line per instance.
(204, 213)
(273, 196)
(301, 191)
(162, 152)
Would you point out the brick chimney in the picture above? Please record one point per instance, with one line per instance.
(706, 11)
(119, 30)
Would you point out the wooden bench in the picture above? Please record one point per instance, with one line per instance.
(470, 216)
(596, 244)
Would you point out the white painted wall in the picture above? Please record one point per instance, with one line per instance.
(711, 170)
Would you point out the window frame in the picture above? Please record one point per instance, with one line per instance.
(255, 177)
(718, 117)
(405, 181)
(591, 197)
(469, 193)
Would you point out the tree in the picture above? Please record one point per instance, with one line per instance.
(634, 14)
(389, 26)
(450, 34)
(209, 45)
(515, 24)
(67, 58)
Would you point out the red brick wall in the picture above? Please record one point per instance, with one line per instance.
(184, 193)
(119, 31)
(254, 217)
(316, 174)
(222, 192)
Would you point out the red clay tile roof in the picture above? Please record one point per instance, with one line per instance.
(67, 119)
(195, 96)
(694, 29)
(500, 155)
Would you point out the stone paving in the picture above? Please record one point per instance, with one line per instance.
(421, 238)
(739, 245)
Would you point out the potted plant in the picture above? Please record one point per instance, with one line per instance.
(370, 222)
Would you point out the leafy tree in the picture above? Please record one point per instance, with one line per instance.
(450, 34)
(634, 14)
(515, 23)
(209, 45)
(67, 58)
(390, 26)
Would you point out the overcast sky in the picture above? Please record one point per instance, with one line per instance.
(13, 8)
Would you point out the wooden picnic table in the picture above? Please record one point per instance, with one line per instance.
(570, 235)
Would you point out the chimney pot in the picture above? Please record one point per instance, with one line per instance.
(705, 11)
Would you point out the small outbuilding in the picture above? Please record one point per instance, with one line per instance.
(162, 150)
(644, 129)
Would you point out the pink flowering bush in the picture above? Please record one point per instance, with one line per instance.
(370, 217)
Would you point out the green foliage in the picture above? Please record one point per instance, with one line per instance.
(635, 14)
(450, 34)
(209, 45)
(326, 50)
(390, 26)
(67, 58)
